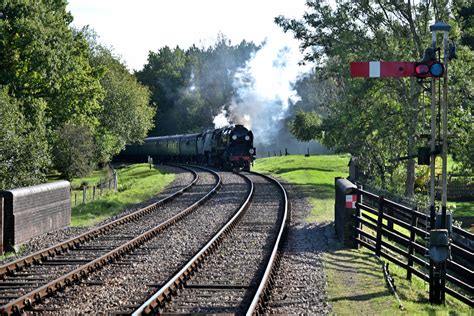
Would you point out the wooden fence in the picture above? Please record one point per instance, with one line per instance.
(398, 233)
(91, 193)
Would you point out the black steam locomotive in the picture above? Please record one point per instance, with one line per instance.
(227, 148)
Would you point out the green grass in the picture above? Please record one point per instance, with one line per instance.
(136, 184)
(312, 175)
(91, 179)
(356, 285)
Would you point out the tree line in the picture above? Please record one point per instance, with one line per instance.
(69, 104)
(380, 120)
(190, 87)
(66, 102)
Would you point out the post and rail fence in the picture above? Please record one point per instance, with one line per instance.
(400, 234)
(91, 193)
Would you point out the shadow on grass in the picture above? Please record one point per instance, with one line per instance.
(83, 214)
(321, 191)
(287, 170)
(359, 298)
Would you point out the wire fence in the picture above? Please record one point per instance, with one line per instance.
(89, 193)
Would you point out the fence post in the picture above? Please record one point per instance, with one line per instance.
(101, 184)
(93, 193)
(358, 212)
(411, 248)
(378, 245)
(1, 225)
(116, 178)
(84, 192)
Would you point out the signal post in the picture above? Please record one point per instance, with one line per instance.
(429, 67)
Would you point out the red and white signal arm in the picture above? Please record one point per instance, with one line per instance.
(382, 69)
(351, 200)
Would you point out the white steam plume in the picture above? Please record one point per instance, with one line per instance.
(265, 88)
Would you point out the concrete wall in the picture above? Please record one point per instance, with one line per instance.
(32, 211)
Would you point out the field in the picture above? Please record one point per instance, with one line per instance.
(137, 183)
(355, 279)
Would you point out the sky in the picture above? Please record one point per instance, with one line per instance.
(133, 28)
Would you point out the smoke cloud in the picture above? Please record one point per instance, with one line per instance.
(265, 92)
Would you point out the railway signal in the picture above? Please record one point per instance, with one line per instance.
(428, 67)
(397, 69)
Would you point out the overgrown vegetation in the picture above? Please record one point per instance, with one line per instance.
(137, 183)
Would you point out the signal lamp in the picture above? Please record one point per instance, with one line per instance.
(429, 69)
(437, 69)
(422, 70)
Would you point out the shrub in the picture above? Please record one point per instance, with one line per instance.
(73, 151)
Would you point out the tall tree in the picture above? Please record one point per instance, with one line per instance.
(126, 115)
(43, 58)
(381, 117)
(190, 87)
(166, 74)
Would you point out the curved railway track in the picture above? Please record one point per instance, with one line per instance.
(27, 280)
(233, 243)
(124, 284)
(232, 273)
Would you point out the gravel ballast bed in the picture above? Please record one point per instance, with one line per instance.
(43, 241)
(300, 286)
(132, 279)
(228, 280)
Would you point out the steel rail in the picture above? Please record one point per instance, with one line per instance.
(91, 234)
(27, 300)
(258, 300)
(177, 281)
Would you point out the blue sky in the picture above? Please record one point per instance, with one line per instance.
(133, 28)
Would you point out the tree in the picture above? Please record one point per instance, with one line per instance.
(215, 71)
(126, 116)
(43, 58)
(73, 151)
(166, 74)
(24, 152)
(190, 87)
(305, 126)
(376, 119)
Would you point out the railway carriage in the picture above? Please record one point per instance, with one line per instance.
(229, 148)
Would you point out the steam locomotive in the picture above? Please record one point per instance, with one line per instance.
(228, 148)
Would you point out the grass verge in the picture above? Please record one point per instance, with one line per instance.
(312, 175)
(356, 285)
(136, 184)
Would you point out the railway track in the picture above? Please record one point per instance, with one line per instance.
(124, 284)
(233, 271)
(27, 280)
(152, 264)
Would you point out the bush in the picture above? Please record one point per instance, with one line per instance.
(73, 151)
